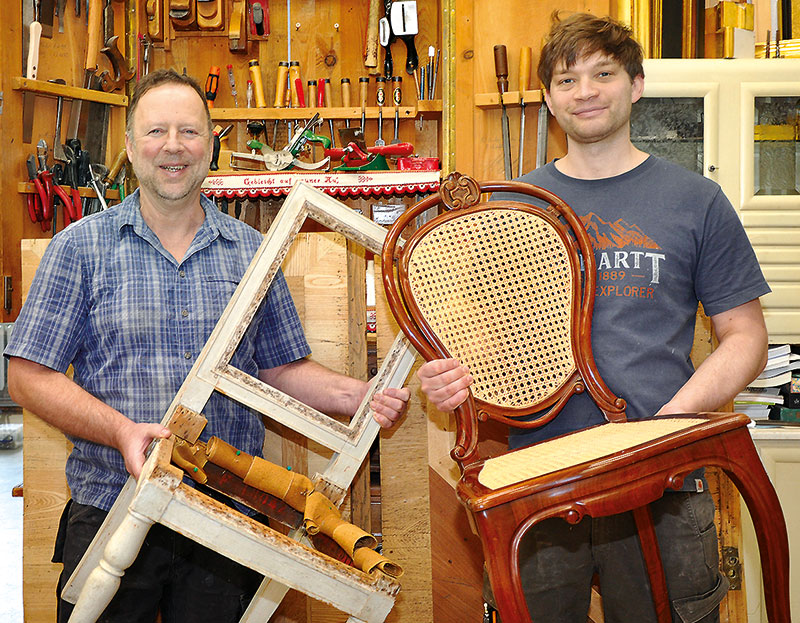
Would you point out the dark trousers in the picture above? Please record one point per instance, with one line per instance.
(558, 561)
(176, 576)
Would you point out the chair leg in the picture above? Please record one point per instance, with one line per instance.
(652, 560)
(497, 532)
(753, 483)
(103, 582)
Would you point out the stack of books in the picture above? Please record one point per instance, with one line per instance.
(771, 395)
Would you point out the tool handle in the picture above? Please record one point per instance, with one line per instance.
(280, 84)
(371, 42)
(501, 67)
(524, 69)
(397, 90)
(32, 69)
(363, 90)
(327, 99)
(294, 76)
(258, 86)
(346, 92)
(94, 30)
(312, 93)
(301, 97)
(212, 84)
(321, 93)
(380, 92)
(412, 59)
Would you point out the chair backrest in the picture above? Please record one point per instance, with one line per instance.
(508, 289)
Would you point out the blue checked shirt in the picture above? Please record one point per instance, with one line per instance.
(111, 301)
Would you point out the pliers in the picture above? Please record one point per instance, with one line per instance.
(40, 206)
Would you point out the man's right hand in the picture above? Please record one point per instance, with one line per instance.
(133, 440)
(445, 383)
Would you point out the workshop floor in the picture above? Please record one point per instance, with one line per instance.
(10, 537)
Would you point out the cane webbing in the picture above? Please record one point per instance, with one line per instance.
(501, 309)
(586, 445)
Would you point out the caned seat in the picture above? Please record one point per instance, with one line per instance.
(303, 560)
(508, 289)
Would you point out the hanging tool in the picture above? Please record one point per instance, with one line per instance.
(363, 93)
(38, 202)
(60, 6)
(280, 94)
(397, 98)
(435, 73)
(371, 42)
(356, 156)
(404, 24)
(541, 134)
(381, 98)
(524, 85)
(212, 84)
(119, 66)
(232, 82)
(209, 14)
(386, 38)
(94, 17)
(45, 17)
(501, 71)
(312, 93)
(294, 76)
(219, 134)
(285, 158)
(58, 147)
(31, 72)
(237, 26)
(346, 98)
(325, 90)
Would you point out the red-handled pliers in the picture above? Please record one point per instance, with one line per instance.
(40, 202)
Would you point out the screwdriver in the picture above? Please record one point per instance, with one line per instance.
(524, 85)
(233, 86)
(212, 84)
(346, 98)
(397, 97)
(325, 101)
(381, 97)
(363, 88)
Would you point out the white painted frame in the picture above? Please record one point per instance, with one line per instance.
(159, 496)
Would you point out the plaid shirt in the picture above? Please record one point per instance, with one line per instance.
(111, 301)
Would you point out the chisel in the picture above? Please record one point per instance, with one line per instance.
(501, 71)
(541, 135)
(326, 102)
(397, 98)
(381, 99)
(346, 98)
(524, 85)
(363, 88)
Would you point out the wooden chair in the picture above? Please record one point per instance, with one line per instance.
(161, 496)
(499, 285)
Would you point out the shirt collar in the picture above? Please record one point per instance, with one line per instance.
(215, 223)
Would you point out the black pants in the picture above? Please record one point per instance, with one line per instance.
(182, 579)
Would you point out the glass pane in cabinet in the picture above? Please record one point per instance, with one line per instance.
(776, 159)
(670, 127)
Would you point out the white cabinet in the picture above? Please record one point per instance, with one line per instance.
(738, 122)
(780, 452)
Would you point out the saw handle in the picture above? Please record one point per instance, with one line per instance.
(501, 68)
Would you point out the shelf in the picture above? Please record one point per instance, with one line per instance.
(487, 101)
(84, 191)
(355, 183)
(424, 109)
(52, 89)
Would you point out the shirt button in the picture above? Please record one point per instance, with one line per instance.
(185, 313)
(187, 355)
(182, 273)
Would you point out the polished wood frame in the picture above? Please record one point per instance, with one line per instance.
(620, 482)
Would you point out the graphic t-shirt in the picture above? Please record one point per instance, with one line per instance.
(664, 239)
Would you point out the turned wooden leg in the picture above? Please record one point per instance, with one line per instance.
(103, 582)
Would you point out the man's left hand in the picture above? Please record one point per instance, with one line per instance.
(388, 405)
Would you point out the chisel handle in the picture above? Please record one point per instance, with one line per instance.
(312, 93)
(280, 84)
(294, 76)
(363, 91)
(524, 69)
(346, 92)
(326, 100)
(258, 85)
(501, 68)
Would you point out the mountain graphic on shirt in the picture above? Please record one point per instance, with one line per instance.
(617, 235)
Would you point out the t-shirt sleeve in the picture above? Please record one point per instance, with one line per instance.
(281, 339)
(50, 325)
(727, 273)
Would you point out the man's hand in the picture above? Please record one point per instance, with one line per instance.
(133, 440)
(445, 383)
(388, 405)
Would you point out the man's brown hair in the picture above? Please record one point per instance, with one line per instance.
(583, 34)
(156, 79)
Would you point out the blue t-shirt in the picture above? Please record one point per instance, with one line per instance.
(664, 239)
(110, 300)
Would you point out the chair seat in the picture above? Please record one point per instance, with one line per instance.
(582, 446)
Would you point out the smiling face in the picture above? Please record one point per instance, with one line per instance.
(169, 144)
(591, 100)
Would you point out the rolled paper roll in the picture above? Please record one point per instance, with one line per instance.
(291, 487)
(227, 457)
(191, 459)
(368, 559)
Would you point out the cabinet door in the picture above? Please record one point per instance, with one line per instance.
(750, 124)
